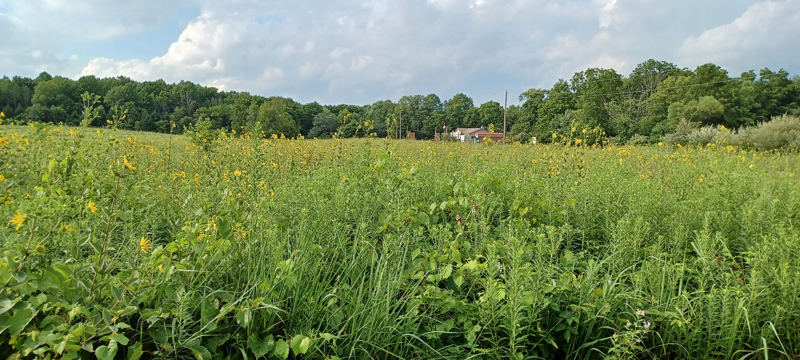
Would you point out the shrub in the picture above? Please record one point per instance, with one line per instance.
(781, 132)
(702, 136)
(638, 140)
(202, 134)
(682, 130)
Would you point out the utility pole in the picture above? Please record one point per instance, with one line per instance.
(505, 112)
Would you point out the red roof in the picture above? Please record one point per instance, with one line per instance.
(497, 135)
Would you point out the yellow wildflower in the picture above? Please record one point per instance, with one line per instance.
(68, 229)
(752, 165)
(161, 267)
(237, 173)
(661, 144)
(145, 245)
(554, 135)
(109, 122)
(39, 250)
(2, 114)
(584, 131)
(128, 163)
(91, 206)
(3, 141)
(18, 219)
(2, 177)
(578, 141)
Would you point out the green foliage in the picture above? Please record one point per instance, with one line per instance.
(203, 135)
(459, 113)
(275, 119)
(90, 111)
(325, 125)
(706, 111)
(133, 245)
(783, 132)
(649, 102)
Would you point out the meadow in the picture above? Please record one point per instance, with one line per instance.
(125, 245)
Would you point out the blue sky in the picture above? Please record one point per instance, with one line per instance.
(357, 51)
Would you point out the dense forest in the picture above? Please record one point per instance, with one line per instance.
(649, 103)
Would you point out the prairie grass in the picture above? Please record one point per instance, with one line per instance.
(373, 249)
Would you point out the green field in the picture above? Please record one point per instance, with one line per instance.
(130, 245)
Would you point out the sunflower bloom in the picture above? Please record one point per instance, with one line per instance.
(3, 141)
(128, 163)
(18, 219)
(145, 245)
(92, 207)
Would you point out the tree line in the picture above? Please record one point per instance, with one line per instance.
(648, 103)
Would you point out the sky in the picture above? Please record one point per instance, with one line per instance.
(359, 52)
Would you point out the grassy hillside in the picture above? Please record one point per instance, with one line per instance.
(128, 245)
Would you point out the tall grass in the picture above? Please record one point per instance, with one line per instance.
(369, 249)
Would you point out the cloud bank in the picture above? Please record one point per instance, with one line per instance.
(362, 51)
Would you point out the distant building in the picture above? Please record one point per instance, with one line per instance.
(475, 134)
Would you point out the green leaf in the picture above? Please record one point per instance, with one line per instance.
(15, 324)
(122, 339)
(243, 317)
(445, 272)
(458, 279)
(260, 347)
(6, 304)
(291, 279)
(423, 218)
(107, 352)
(300, 344)
(69, 355)
(135, 351)
(224, 229)
(201, 353)
(281, 350)
(208, 313)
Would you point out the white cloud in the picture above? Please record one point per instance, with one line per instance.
(606, 15)
(360, 51)
(767, 30)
